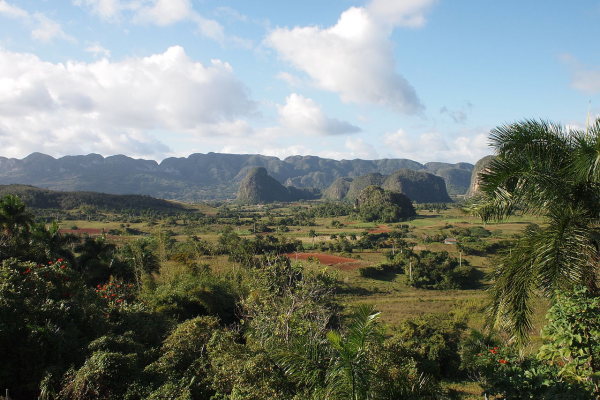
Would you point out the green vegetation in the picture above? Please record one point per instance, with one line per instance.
(542, 169)
(199, 177)
(230, 301)
(379, 205)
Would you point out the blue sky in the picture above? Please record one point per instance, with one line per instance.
(419, 79)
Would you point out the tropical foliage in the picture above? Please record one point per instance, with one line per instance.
(542, 169)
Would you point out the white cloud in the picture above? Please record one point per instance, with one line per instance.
(12, 11)
(283, 152)
(109, 10)
(166, 12)
(291, 80)
(303, 115)
(353, 58)
(351, 149)
(161, 13)
(361, 149)
(433, 146)
(409, 13)
(584, 78)
(97, 50)
(105, 105)
(45, 29)
(459, 116)
(230, 14)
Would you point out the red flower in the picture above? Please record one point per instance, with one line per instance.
(49, 262)
(503, 361)
(60, 260)
(63, 267)
(28, 271)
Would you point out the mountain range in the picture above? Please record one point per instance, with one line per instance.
(210, 176)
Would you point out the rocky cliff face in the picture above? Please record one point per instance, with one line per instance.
(479, 167)
(258, 187)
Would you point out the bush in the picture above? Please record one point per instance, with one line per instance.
(439, 271)
(376, 271)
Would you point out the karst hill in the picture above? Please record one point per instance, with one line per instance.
(215, 176)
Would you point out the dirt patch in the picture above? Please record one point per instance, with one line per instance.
(380, 229)
(342, 263)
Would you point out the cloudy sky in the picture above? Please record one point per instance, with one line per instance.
(343, 79)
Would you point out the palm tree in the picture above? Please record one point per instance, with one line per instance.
(336, 366)
(14, 215)
(350, 374)
(312, 234)
(544, 170)
(49, 244)
(96, 256)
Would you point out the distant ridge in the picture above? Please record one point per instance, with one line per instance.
(210, 176)
(51, 199)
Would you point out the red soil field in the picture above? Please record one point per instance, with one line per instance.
(342, 263)
(380, 229)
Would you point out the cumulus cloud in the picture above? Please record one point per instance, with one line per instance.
(353, 58)
(117, 105)
(303, 115)
(583, 77)
(44, 28)
(432, 146)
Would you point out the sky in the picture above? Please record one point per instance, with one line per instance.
(420, 79)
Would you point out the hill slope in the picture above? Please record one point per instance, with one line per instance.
(50, 199)
(419, 186)
(197, 177)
